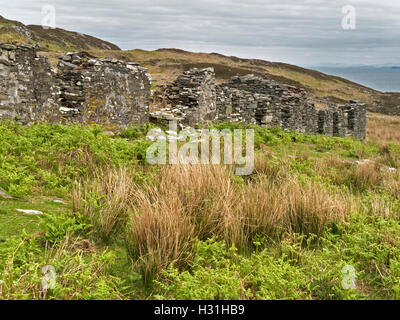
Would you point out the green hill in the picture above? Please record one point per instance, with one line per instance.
(165, 64)
(50, 39)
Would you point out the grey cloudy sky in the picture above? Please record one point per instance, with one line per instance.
(303, 32)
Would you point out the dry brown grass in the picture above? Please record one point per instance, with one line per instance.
(105, 199)
(159, 233)
(382, 129)
(270, 209)
(367, 175)
(392, 184)
(388, 156)
(334, 169)
(186, 203)
(264, 165)
(190, 202)
(361, 176)
(206, 193)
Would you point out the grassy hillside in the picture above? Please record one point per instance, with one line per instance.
(122, 229)
(58, 40)
(166, 64)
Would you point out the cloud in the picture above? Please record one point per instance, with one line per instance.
(304, 32)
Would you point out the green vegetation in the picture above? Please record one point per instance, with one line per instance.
(122, 229)
(50, 158)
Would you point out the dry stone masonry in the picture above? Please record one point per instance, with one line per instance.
(83, 89)
(110, 92)
(192, 97)
(27, 84)
(115, 94)
(254, 100)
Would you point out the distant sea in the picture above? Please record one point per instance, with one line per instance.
(386, 79)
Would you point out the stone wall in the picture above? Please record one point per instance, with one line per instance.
(255, 100)
(251, 99)
(115, 94)
(343, 120)
(27, 85)
(83, 89)
(192, 96)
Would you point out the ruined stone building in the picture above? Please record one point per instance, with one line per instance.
(83, 89)
(115, 94)
(194, 98)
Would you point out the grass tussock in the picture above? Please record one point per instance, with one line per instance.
(367, 175)
(188, 203)
(264, 166)
(313, 205)
(105, 200)
(270, 209)
(191, 203)
(159, 234)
